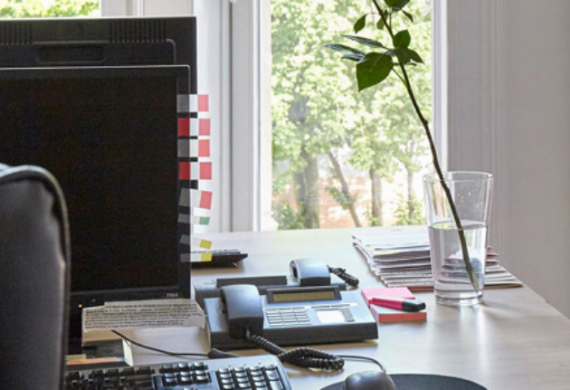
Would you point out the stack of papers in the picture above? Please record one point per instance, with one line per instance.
(400, 257)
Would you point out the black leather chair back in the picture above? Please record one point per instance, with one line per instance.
(34, 279)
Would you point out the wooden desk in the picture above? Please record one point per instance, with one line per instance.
(515, 340)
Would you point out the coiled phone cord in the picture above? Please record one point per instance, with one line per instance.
(301, 357)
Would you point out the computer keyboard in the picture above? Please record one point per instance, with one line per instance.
(263, 372)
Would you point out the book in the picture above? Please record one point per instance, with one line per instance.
(384, 314)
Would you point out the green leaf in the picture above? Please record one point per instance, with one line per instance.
(402, 39)
(405, 55)
(372, 69)
(409, 16)
(360, 23)
(353, 57)
(396, 4)
(380, 24)
(365, 41)
(341, 47)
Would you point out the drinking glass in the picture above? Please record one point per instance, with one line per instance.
(459, 280)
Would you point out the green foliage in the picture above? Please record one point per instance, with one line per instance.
(287, 218)
(48, 8)
(402, 212)
(374, 67)
(316, 103)
(373, 220)
(343, 199)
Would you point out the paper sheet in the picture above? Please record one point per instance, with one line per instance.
(143, 314)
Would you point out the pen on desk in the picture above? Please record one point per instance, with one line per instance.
(404, 304)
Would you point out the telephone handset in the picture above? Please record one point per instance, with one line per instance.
(243, 310)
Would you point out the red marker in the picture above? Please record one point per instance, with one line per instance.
(404, 304)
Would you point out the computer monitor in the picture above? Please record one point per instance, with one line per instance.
(100, 104)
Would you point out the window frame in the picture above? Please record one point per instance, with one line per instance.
(469, 146)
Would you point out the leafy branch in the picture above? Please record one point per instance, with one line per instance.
(375, 66)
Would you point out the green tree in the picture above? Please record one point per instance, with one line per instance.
(319, 113)
(309, 93)
(47, 8)
(391, 133)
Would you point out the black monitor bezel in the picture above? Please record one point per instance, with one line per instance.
(20, 42)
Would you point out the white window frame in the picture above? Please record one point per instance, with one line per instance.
(249, 211)
(471, 144)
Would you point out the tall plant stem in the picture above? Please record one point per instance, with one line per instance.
(425, 124)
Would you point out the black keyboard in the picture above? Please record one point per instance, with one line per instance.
(263, 372)
(219, 258)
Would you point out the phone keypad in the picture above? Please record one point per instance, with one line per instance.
(287, 316)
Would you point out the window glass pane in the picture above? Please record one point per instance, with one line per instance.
(48, 8)
(343, 158)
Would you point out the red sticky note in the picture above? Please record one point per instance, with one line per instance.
(400, 292)
(183, 127)
(204, 126)
(384, 314)
(203, 104)
(206, 200)
(204, 148)
(184, 171)
(206, 171)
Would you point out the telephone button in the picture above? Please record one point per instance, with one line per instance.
(272, 374)
(276, 385)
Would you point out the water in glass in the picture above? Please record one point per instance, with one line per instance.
(452, 285)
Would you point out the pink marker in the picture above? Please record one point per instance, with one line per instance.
(404, 304)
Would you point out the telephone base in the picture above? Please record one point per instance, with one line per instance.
(299, 323)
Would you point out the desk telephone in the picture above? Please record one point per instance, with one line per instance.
(311, 310)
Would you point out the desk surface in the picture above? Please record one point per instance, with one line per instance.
(514, 340)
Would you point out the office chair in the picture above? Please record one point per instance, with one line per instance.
(34, 279)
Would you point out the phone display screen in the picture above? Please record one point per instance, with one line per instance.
(304, 296)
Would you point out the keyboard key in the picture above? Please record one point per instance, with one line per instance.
(145, 370)
(202, 378)
(112, 373)
(168, 379)
(167, 368)
(185, 380)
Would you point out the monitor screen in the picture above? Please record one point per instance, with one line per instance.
(111, 142)
(97, 103)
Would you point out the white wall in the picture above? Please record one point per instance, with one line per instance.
(509, 94)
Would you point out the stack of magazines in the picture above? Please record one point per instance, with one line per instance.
(400, 257)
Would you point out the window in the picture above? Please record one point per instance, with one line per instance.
(261, 159)
(48, 8)
(341, 158)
